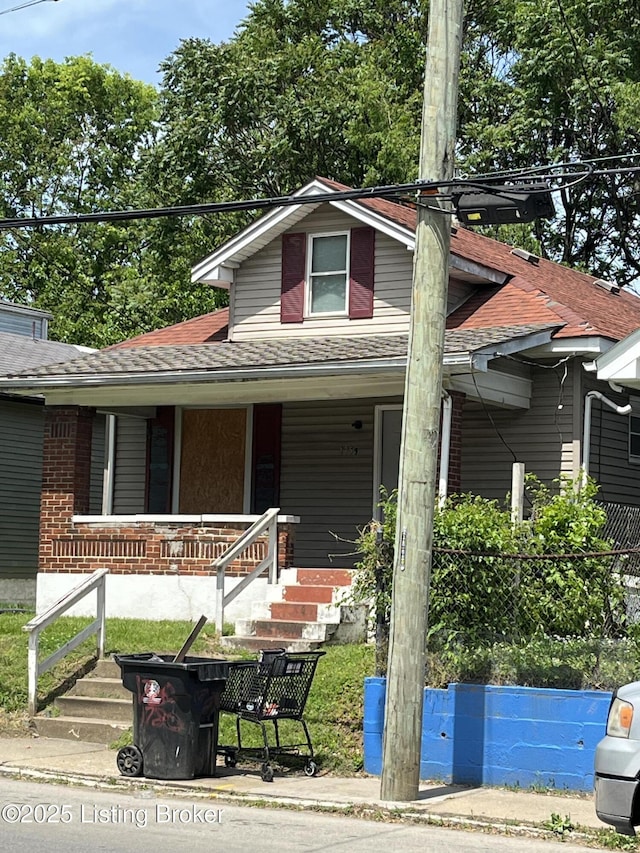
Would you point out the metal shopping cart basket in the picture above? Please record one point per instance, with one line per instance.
(274, 687)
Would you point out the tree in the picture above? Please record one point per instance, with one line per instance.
(565, 78)
(74, 135)
(334, 88)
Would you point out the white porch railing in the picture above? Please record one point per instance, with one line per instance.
(267, 521)
(36, 668)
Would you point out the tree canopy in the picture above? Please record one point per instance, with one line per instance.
(304, 87)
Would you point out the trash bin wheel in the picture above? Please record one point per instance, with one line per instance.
(129, 761)
(266, 773)
(229, 759)
(310, 768)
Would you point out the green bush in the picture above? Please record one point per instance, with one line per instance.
(496, 585)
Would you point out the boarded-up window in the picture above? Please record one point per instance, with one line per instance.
(212, 465)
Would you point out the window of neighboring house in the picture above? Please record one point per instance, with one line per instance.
(634, 437)
(328, 274)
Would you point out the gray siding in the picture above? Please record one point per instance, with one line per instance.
(130, 467)
(19, 323)
(21, 437)
(541, 437)
(97, 464)
(609, 464)
(326, 478)
(256, 294)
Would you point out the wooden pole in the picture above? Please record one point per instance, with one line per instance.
(421, 416)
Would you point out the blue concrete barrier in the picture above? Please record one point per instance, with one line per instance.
(477, 734)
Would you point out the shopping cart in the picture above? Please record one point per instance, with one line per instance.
(273, 688)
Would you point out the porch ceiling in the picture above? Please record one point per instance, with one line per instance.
(261, 370)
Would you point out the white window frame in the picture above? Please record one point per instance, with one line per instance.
(634, 459)
(308, 313)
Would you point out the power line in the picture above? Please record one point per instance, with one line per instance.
(573, 173)
(26, 6)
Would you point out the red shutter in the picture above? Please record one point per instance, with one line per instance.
(267, 429)
(361, 271)
(293, 270)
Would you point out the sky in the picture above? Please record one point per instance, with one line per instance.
(133, 36)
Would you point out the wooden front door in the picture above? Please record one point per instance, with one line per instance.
(213, 460)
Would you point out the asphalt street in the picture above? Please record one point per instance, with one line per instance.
(55, 818)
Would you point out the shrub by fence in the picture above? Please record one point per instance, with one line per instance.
(549, 602)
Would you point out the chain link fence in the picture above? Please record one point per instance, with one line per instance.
(552, 620)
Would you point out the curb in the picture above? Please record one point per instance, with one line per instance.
(365, 811)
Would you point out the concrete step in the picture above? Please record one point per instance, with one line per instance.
(106, 668)
(96, 708)
(106, 688)
(256, 644)
(292, 630)
(85, 729)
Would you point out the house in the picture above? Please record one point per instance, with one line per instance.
(292, 399)
(24, 345)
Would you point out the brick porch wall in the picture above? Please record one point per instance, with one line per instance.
(141, 547)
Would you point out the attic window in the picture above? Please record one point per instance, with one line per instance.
(328, 274)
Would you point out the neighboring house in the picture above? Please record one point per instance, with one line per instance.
(23, 346)
(293, 397)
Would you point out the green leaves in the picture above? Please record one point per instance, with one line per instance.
(491, 579)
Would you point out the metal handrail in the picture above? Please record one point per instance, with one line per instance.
(36, 668)
(268, 520)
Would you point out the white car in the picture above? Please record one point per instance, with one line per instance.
(617, 762)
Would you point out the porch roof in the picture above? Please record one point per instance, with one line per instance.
(227, 361)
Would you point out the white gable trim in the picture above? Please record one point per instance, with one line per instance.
(217, 268)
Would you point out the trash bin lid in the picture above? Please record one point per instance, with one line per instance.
(203, 669)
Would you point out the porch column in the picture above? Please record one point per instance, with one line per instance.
(66, 476)
(286, 544)
(455, 449)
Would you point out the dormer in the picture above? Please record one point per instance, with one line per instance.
(328, 266)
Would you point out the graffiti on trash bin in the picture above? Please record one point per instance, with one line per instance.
(158, 705)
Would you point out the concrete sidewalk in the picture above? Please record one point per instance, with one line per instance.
(95, 765)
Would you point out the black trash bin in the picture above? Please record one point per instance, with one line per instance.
(175, 715)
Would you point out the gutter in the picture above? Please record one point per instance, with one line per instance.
(30, 384)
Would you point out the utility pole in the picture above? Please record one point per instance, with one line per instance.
(421, 417)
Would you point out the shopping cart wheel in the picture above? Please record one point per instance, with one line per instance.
(310, 768)
(129, 761)
(266, 773)
(229, 759)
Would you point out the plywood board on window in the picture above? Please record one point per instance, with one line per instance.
(212, 464)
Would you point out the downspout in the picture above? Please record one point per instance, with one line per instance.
(445, 444)
(586, 436)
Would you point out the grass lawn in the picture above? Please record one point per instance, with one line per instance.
(333, 712)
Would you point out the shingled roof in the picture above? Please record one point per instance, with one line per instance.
(21, 352)
(115, 364)
(206, 329)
